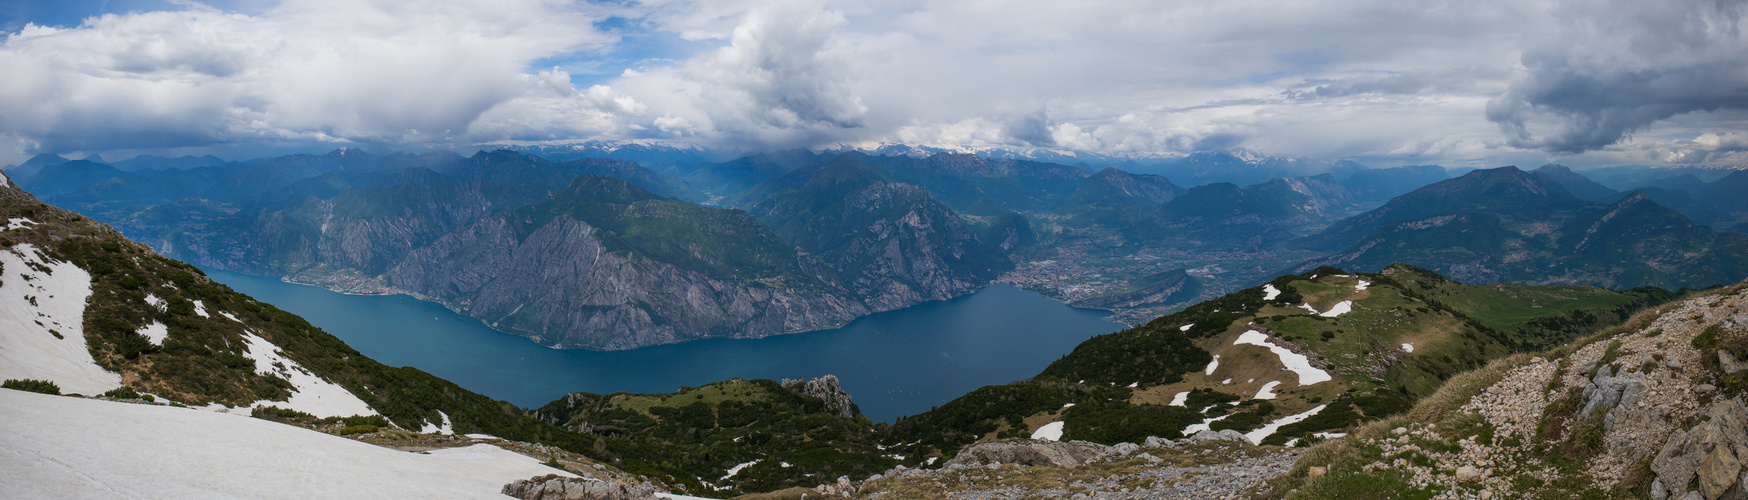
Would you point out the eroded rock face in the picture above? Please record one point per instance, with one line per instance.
(566, 488)
(1061, 454)
(1224, 435)
(1607, 391)
(836, 399)
(1711, 452)
(562, 286)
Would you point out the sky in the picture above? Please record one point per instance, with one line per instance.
(1385, 82)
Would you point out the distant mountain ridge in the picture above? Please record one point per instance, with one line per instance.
(1505, 224)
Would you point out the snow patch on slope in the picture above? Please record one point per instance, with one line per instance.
(1361, 286)
(1186, 328)
(1212, 365)
(1267, 391)
(1258, 435)
(1307, 306)
(1408, 347)
(1049, 432)
(1180, 399)
(445, 429)
(1269, 292)
(91, 448)
(1298, 363)
(155, 332)
(157, 303)
(1195, 428)
(18, 223)
(312, 395)
(1344, 307)
(200, 309)
(42, 323)
(737, 468)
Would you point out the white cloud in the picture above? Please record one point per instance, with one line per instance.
(380, 71)
(1457, 82)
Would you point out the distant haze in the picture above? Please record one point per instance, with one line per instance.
(1464, 84)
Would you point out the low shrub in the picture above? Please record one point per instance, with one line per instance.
(358, 429)
(277, 413)
(123, 392)
(37, 386)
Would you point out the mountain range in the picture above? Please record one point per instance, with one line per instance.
(1296, 361)
(799, 240)
(1529, 227)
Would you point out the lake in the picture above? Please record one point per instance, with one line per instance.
(894, 363)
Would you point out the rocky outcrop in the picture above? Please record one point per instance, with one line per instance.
(1060, 454)
(1607, 391)
(553, 487)
(826, 388)
(1161, 469)
(842, 487)
(1711, 452)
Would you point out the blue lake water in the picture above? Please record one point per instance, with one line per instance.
(895, 363)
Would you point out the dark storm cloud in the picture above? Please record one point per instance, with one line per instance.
(1613, 70)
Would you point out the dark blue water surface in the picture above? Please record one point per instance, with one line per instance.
(895, 363)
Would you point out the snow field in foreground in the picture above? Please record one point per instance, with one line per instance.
(1297, 363)
(61, 447)
(35, 306)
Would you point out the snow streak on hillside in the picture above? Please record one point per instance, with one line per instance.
(313, 395)
(42, 317)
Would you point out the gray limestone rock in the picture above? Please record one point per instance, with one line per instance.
(836, 399)
(1225, 435)
(1718, 472)
(553, 487)
(1728, 364)
(1065, 454)
(1706, 451)
(1122, 449)
(1158, 442)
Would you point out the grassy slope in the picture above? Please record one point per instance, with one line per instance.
(1561, 443)
(1374, 376)
(693, 436)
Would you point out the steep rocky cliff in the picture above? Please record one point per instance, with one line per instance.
(892, 243)
(607, 265)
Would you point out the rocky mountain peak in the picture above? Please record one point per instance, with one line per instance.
(826, 388)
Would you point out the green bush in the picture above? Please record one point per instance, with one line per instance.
(357, 429)
(38, 386)
(1118, 421)
(277, 413)
(123, 392)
